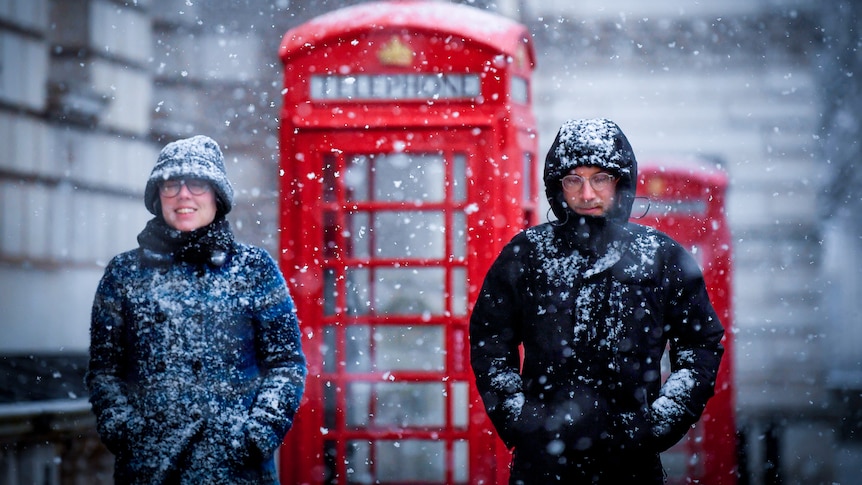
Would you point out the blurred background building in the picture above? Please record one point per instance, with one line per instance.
(90, 90)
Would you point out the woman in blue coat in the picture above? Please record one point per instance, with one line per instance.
(594, 300)
(196, 367)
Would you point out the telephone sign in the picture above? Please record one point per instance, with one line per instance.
(395, 87)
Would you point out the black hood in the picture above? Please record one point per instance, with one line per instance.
(597, 143)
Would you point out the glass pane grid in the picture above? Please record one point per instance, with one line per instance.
(395, 248)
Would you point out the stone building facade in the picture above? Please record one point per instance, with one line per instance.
(91, 89)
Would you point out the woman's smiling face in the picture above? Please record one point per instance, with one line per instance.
(188, 208)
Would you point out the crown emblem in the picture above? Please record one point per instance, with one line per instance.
(656, 187)
(395, 53)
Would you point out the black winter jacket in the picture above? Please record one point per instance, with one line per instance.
(594, 302)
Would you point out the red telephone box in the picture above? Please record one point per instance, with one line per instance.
(686, 201)
(408, 158)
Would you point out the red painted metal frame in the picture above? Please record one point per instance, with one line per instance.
(688, 199)
(494, 130)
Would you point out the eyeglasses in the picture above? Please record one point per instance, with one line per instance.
(600, 181)
(171, 188)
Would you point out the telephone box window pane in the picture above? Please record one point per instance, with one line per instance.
(677, 462)
(397, 234)
(358, 348)
(409, 234)
(395, 347)
(330, 291)
(394, 404)
(330, 458)
(396, 461)
(409, 291)
(396, 291)
(459, 291)
(329, 405)
(409, 177)
(358, 234)
(357, 291)
(356, 178)
(330, 235)
(459, 234)
(327, 349)
(460, 404)
(461, 453)
(520, 89)
(459, 178)
(360, 411)
(420, 348)
(405, 461)
(358, 461)
(698, 253)
(395, 177)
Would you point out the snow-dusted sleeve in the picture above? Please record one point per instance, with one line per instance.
(115, 416)
(695, 351)
(495, 334)
(280, 356)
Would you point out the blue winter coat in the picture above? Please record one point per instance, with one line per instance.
(196, 370)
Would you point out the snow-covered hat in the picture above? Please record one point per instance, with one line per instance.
(196, 157)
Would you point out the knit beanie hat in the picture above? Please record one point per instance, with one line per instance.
(197, 157)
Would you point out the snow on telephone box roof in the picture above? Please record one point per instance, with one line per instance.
(494, 31)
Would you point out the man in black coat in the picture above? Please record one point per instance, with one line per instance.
(594, 300)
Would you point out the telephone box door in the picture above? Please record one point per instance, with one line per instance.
(383, 303)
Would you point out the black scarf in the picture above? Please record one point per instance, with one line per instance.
(592, 236)
(162, 244)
